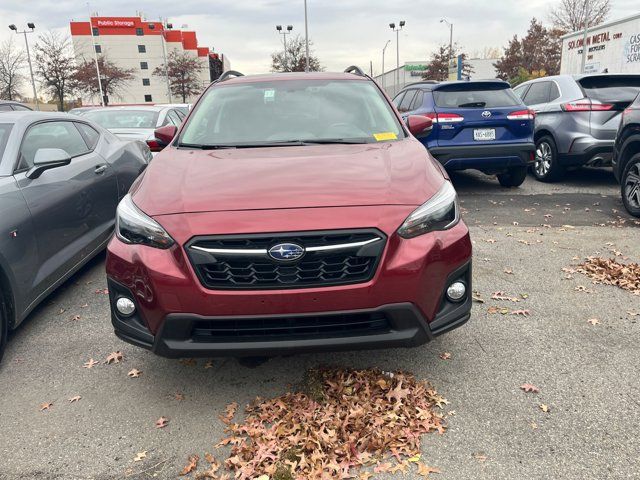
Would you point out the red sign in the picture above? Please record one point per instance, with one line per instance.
(116, 23)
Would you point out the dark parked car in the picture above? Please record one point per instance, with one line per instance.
(60, 181)
(577, 117)
(478, 124)
(11, 106)
(291, 213)
(626, 157)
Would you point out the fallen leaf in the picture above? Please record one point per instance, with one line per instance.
(593, 321)
(445, 355)
(230, 411)
(135, 373)
(480, 457)
(508, 271)
(75, 399)
(544, 408)
(75, 318)
(102, 291)
(188, 362)
(140, 456)
(524, 313)
(162, 422)
(45, 406)
(490, 240)
(85, 305)
(529, 388)
(424, 470)
(192, 465)
(114, 357)
(179, 396)
(90, 363)
(209, 364)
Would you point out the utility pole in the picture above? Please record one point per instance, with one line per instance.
(306, 38)
(284, 34)
(392, 26)
(26, 42)
(383, 72)
(584, 36)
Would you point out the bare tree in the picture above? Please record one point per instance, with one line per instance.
(570, 15)
(12, 60)
(55, 66)
(184, 74)
(295, 58)
(113, 77)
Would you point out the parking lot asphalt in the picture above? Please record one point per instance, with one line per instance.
(587, 374)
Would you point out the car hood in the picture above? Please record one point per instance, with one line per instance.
(393, 173)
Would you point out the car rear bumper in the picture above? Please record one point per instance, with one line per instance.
(403, 305)
(491, 158)
(587, 151)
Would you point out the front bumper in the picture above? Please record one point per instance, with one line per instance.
(486, 158)
(404, 301)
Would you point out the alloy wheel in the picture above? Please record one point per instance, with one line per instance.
(543, 159)
(632, 186)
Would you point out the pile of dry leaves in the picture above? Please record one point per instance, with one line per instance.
(610, 272)
(342, 420)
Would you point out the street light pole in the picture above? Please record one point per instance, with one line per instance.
(584, 36)
(444, 20)
(284, 34)
(392, 26)
(26, 42)
(166, 26)
(95, 57)
(383, 72)
(306, 38)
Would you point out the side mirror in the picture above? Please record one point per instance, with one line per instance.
(419, 125)
(165, 134)
(47, 158)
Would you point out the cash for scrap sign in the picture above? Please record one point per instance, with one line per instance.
(632, 49)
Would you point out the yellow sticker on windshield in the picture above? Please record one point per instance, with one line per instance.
(380, 137)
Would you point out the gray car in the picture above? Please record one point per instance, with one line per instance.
(577, 117)
(61, 179)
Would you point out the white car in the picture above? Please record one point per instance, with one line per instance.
(137, 122)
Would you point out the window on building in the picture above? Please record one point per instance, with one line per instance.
(144, 66)
(98, 48)
(95, 31)
(142, 49)
(139, 32)
(148, 98)
(146, 82)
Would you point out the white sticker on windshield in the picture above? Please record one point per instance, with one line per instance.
(269, 95)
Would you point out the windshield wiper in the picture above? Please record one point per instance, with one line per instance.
(282, 143)
(204, 147)
(320, 141)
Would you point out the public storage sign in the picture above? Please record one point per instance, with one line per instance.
(613, 47)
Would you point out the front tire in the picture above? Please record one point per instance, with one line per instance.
(630, 186)
(4, 326)
(514, 177)
(546, 167)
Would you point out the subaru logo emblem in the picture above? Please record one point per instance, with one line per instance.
(286, 252)
(486, 114)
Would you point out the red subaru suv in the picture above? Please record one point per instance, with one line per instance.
(290, 213)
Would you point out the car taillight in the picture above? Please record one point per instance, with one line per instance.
(444, 117)
(585, 105)
(522, 115)
(154, 146)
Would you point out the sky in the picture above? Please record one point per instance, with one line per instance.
(344, 32)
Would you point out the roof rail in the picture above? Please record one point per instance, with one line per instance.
(229, 73)
(355, 70)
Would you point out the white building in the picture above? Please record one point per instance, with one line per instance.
(395, 80)
(135, 44)
(613, 47)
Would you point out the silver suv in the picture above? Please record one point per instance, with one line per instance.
(577, 117)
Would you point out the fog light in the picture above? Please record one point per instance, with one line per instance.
(456, 291)
(125, 306)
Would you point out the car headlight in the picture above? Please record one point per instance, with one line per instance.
(134, 227)
(440, 212)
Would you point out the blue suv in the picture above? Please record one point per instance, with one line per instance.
(479, 124)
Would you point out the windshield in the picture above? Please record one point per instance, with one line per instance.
(493, 98)
(291, 111)
(123, 118)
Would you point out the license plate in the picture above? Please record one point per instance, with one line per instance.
(484, 134)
